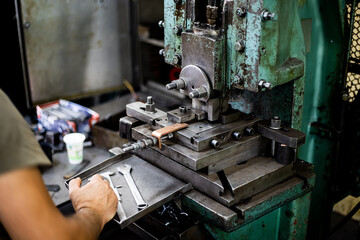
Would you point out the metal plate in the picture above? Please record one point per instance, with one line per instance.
(244, 149)
(155, 186)
(76, 47)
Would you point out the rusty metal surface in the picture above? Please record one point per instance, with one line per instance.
(76, 47)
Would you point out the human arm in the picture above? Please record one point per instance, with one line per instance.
(27, 211)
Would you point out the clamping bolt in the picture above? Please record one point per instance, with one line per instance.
(198, 93)
(176, 84)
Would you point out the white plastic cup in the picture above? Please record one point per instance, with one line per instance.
(74, 145)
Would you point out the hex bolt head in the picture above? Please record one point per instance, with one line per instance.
(176, 60)
(161, 24)
(162, 52)
(177, 30)
(27, 25)
(198, 93)
(241, 12)
(266, 15)
(239, 46)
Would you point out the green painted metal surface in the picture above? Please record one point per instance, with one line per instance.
(320, 111)
(310, 31)
(288, 222)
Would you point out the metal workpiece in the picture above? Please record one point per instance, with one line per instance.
(156, 186)
(176, 84)
(288, 136)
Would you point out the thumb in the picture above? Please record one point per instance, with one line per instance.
(74, 184)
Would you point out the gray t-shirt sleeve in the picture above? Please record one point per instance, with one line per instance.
(18, 146)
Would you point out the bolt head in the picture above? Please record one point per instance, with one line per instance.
(241, 12)
(177, 30)
(161, 24)
(239, 46)
(176, 60)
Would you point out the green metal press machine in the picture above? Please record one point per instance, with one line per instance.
(262, 76)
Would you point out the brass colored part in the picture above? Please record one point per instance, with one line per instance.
(166, 130)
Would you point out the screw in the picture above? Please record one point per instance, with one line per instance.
(249, 131)
(182, 109)
(345, 97)
(171, 86)
(237, 135)
(149, 100)
(266, 15)
(198, 93)
(162, 52)
(215, 143)
(161, 24)
(177, 30)
(176, 60)
(264, 84)
(239, 46)
(27, 25)
(241, 12)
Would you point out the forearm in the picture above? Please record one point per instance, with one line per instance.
(85, 224)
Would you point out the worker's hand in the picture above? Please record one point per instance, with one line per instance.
(96, 196)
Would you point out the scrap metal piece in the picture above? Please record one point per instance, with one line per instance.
(166, 130)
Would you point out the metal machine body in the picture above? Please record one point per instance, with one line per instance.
(245, 80)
